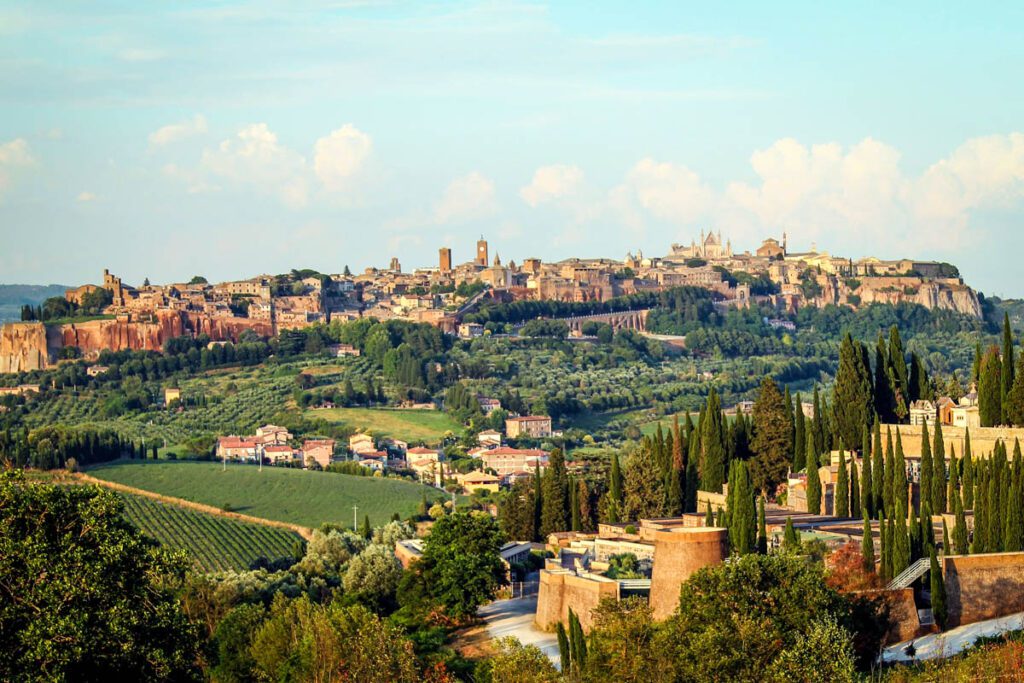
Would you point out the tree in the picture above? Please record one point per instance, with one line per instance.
(555, 506)
(614, 495)
(740, 509)
(813, 481)
(107, 609)
(644, 494)
(1006, 375)
(852, 403)
(938, 590)
(877, 474)
(842, 494)
(938, 492)
(373, 575)
(518, 663)
(735, 619)
(712, 473)
(762, 531)
(461, 565)
(898, 376)
(926, 466)
(867, 545)
(790, 538)
(989, 387)
(824, 653)
(772, 442)
(960, 527)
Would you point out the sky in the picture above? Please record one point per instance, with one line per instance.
(164, 140)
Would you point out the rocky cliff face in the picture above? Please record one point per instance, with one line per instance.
(22, 347)
(30, 346)
(931, 294)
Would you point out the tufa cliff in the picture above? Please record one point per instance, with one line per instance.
(31, 346)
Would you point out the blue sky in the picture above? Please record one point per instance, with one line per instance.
(228, 139)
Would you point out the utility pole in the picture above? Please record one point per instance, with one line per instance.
(355, 518)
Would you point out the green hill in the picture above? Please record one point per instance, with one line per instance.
(214, 543)
(13, 297)
(284, 494)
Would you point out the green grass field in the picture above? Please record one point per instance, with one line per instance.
(414, 426)
(287, 495)
(214, 543)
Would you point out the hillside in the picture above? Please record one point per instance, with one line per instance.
(283, 494)
(214, 543)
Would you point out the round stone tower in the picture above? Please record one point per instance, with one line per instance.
(678, 553)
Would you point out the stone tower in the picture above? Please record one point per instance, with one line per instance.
(445, 259)
(481, 252)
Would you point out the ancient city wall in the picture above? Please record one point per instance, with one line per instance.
(561, 590)
(677, 555)
(980, 587)
(983, 439)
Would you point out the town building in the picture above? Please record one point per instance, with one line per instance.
(530, 427)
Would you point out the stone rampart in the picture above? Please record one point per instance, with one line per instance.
(980, 587)
(983, 439)
(677, 555)
(561, 590)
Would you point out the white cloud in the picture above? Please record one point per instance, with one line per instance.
(85, 196)
(664, 190)
(551, 183)
(340, 155)
(178, 131)
(466, 198)
(14, 155)
(255, 157)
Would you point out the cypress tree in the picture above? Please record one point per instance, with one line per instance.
(925, 488)
(712, 474)
(883, 388)
(890, 467)
(742, 516)
(898, 377)
(887, 549)
(366, 531)
(901, 541)
(574, 506)
(790, 539)
(938, 591)
(989, 401)
(720, 518)
(818, 430)
(709, 519)
(927, 531)
(813, 481)
(899, 478)
(564, 656)
(938, 492)
(852, 394)
(555, 504)
(841, 504)
(1014, 408)
(1006, 369)
(959, 527)
(692, 478)
(867, 544)
(577, 643)
(538, 503)
(1013, 524)
(968, 473)
(855, 503)
(864, 492)
(979, 544)
(799, 436)
(877, 474)
(993, 512)
(762, 531)
(914, 529)
(953, 482)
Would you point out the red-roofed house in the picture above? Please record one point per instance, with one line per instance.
(237, 448)
(320, 450)
(279, 455)
(505, 461)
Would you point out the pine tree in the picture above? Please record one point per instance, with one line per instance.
(712, 473)
(938, 592)
(799, 437)
(852, 401)
(762, 531)
(867, 544)
(841, 506)
(790, 538)
(989, 401)
(938, 492)
(813, 481)
(877, 474)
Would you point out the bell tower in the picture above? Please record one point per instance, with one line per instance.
(481, 252)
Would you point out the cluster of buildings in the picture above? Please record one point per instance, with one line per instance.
(947, 412)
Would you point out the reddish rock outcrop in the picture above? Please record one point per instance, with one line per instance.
(22, 347)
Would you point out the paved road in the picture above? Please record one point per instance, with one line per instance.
(515, 618)
(953, 641)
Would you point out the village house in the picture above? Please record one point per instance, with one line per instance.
(361, 443)
(506, 462)
(273, 435)
(488, 405)
(319, 451)
(489, 437)
(530, 426)
(478, 481)
(922, 412)
(279, 455)
(171, 394)
(237, 448)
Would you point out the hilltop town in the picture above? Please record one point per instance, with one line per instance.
(144, 317)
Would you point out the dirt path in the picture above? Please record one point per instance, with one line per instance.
(303, 531)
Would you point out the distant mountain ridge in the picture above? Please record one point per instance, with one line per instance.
(13, 297)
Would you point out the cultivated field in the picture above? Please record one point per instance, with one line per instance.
(214, 543)
(414, 426)
(278, 493)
